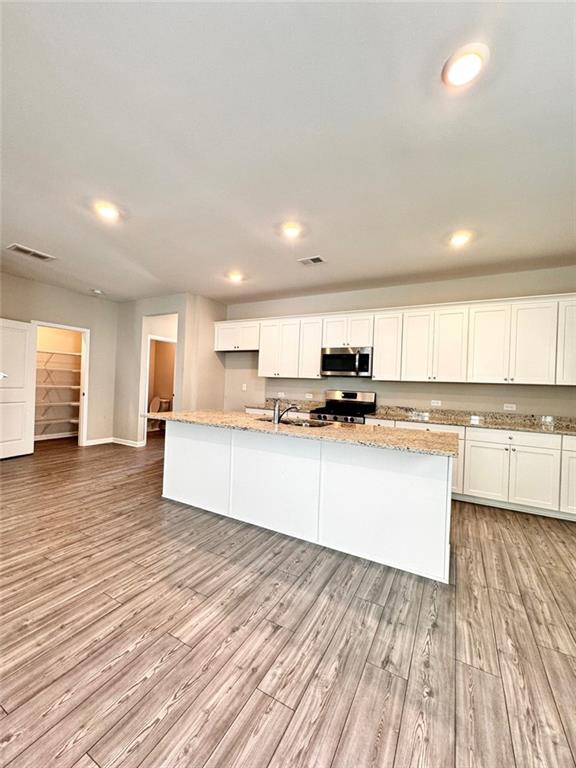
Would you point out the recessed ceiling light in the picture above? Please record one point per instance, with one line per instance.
(106, 211)
(461, 238)
(97, 291)
(292, 229)
(463, 67)
(235, 277)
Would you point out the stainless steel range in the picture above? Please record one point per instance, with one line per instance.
(346, 406)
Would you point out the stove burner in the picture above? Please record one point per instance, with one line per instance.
(350, 407)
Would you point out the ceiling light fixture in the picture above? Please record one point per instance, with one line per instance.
(106, 211)
(461, 238)
(97, 291)
(465, 66)
(292, 230)
(235, 277)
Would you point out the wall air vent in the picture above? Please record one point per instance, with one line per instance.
(23, 250)
(308, 261)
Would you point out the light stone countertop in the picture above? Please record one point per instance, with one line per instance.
(521, 422)
(412, 441)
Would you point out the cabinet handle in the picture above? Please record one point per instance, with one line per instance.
(505, 378)
(511, 378)
(514, 449)
(506, 449)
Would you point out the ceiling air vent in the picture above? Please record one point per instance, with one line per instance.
(23, 250)
(311, 260)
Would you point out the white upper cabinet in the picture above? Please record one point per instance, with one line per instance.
(235, 337)
(348, 331)
(450, 344)
(489, 343)
(566, 360)
(310, 348)
(279, 348)
(533, 342)
(387, 356)
(417, 339)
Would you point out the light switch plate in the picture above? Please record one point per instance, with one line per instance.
(244, 387)
(509, 406)
(280, 394)
(436, 403)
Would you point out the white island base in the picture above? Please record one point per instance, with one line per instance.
(390, 506)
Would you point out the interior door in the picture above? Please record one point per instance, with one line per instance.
(17, 375)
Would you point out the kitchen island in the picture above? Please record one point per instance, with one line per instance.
(382, 494)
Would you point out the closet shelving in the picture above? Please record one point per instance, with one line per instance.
(57, 393)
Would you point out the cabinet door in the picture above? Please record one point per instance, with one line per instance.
(310, 348)
(566, 363)
(387, 347)
(489, 343)
(458, 469)
(534, 477)
(289, 348)
(568, 490)
(249, 336)
(486, 470)
(335, 331)
(268, 357)
(533, 342)
(450, 344)
(417, 345)
(226, 338)
(360, 330)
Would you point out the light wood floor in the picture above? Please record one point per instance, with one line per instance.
(140, 632)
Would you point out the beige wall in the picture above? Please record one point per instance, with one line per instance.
(27, 300)
(242, 367)
(531, 283)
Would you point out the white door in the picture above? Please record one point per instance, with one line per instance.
(335, 331)
(486, 470)
(568, 491)
(17, 392)
(533, 342)
(310, 348)
(249, 336)
(226, 338)
(360, 330)
(450, 344)
(534, 477)
(268, 357)
(289, 349)
(417, 345)
(489, 343)
(387, 356)
(566, 363)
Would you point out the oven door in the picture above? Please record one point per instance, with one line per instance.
(346, 361)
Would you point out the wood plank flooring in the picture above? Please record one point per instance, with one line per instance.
(141, 633)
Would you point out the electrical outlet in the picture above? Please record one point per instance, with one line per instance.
(309, 396)
(509, 406)
(244, 387)
(436, 403)
(280, 394)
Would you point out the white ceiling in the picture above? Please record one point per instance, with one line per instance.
(211, 123)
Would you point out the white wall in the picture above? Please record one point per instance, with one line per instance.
(27, 300)
(529, 283)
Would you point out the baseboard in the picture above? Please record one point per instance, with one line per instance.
(129, 443)
(37, 438)
(513, 507)
(98, 441)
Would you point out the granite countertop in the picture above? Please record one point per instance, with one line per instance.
(412, 441)
(559, 425)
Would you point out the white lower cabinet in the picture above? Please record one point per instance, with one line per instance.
(534, 477)
(568, 488)
(486, 470)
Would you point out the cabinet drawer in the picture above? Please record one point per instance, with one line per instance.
(460, 431)
(380, 423)
(510, 437)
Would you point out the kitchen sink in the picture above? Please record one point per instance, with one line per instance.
(292, 423)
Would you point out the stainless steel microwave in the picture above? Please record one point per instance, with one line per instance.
(346, 361)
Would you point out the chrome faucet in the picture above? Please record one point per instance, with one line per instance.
(278, 413)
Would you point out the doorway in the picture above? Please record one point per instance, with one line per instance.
(61, 401)
(161, 362)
